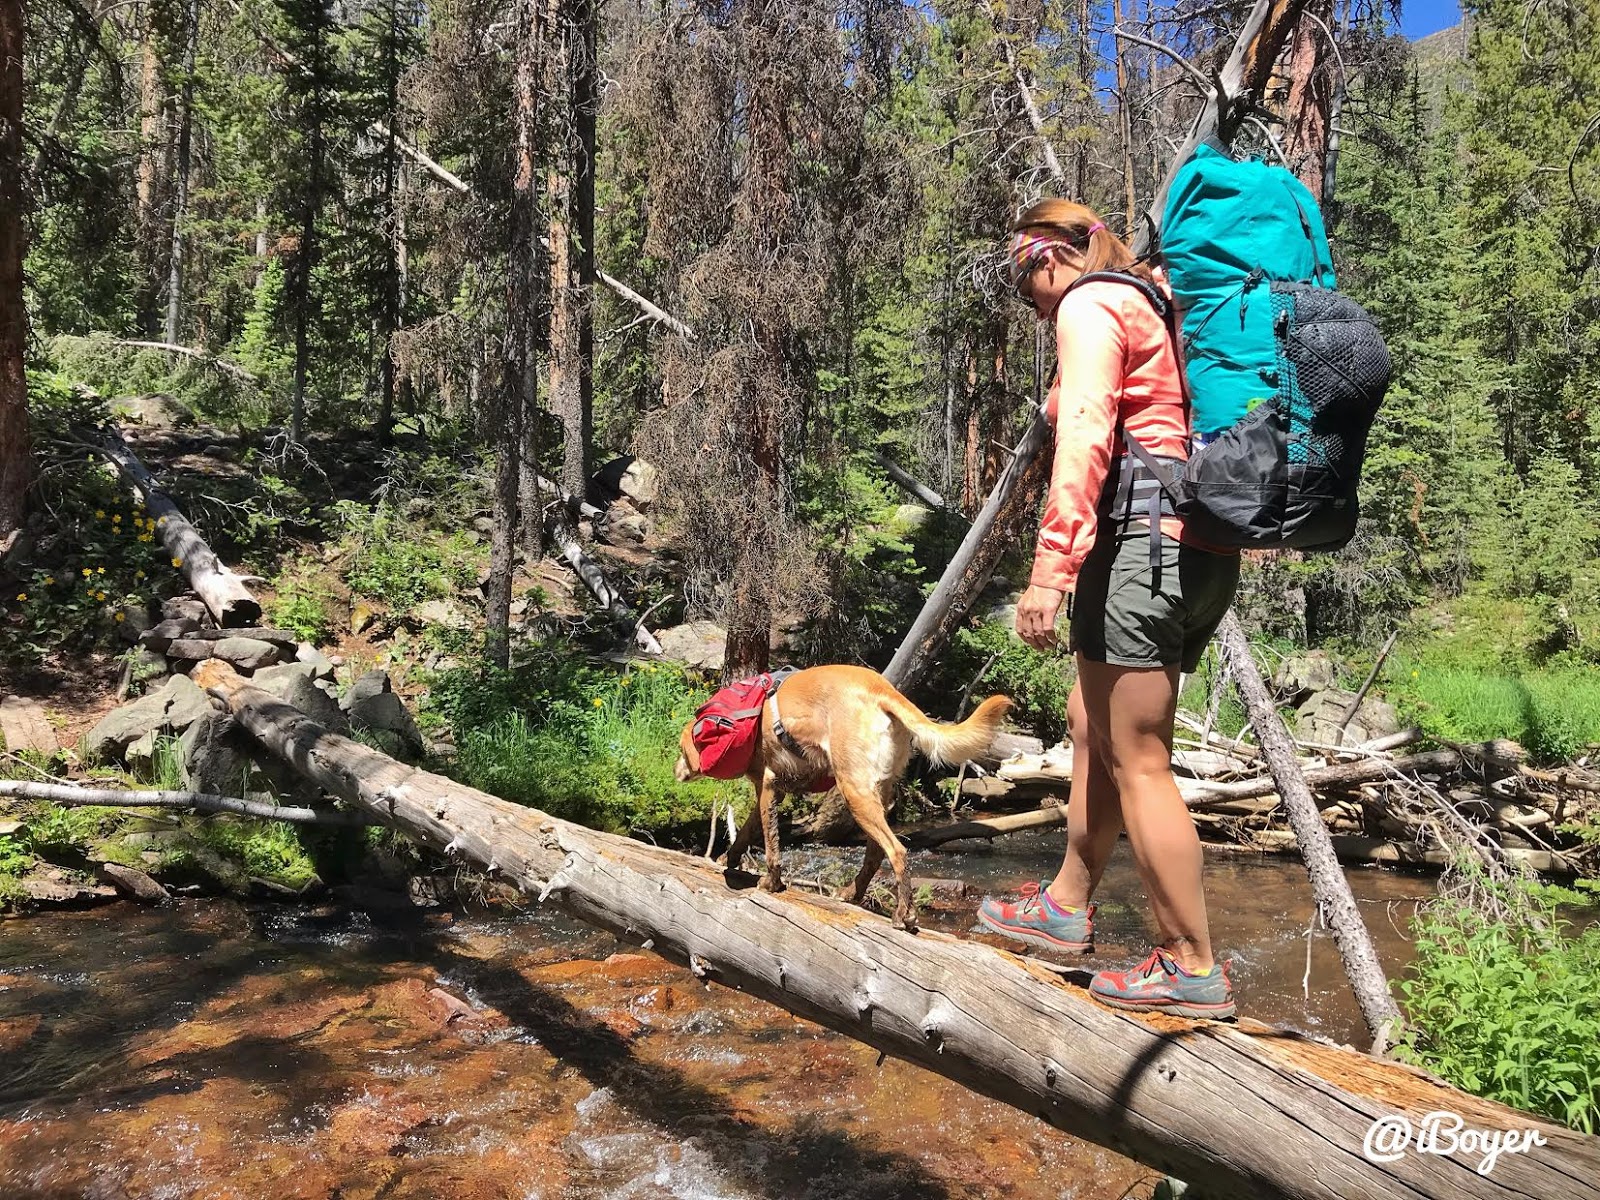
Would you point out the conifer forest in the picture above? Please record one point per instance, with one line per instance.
(412, 411)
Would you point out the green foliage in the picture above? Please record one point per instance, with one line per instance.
(267, 849)
(399, 563)
(304, 602)
(1039, 683)
(1555, 714)
(52, 829)
(1504, 1011)
(583, 744)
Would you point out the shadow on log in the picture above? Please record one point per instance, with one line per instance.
(1250, 1111)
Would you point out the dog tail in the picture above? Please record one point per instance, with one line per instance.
(946, 745)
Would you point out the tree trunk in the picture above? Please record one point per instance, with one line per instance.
(1130, 198)
(1254, 1111)
(1328, 883)
(223, 592)
(154, 147)
(180, 174)
(389, 314)
(569, 191)
(16, 454)
(518, 407)
(1311, 88)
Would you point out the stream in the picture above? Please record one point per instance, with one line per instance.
(227, 1051)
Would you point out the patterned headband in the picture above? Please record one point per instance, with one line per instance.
(1025, 246)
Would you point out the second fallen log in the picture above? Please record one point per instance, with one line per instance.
(223, 592)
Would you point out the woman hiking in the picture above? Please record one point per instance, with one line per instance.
(1142, 603)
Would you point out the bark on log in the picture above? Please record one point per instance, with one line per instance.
(68, 795)
(1328, 884)
(224, 592)
(1253, 1111)
(1245, 73)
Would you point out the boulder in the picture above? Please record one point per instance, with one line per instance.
(623, 525)
(1299, 675)
(296, 684)
(639, 483)
(155, 411)
(135, 619)
(1317, 720)
(699, 644)
(322, 667)
(139, 666)
(246, 654)
(171, 708)
(374, 708)
(181, 607)
(445, 613)
(162, 634)
(212, 761)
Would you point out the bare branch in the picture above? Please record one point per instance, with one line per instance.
(70, 795)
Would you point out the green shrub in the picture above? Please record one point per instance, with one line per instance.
(580, 743)
(268, 849)
(1506, 1013)
(304, 604)
(1553, 713)
(1039, 683)
(399, 563)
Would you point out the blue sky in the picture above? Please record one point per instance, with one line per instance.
(1418, 18)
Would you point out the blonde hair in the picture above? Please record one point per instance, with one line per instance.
(1080, 226)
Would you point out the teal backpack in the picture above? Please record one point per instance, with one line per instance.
(1284, 374)
(1229, 230)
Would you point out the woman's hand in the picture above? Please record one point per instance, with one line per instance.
(1036, 616)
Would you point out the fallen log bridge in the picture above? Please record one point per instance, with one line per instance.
(1240, 1111)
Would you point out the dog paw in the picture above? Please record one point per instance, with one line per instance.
(771, 883)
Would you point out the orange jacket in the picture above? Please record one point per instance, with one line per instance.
(1113, 358)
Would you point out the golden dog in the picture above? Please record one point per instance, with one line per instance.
(851, 723)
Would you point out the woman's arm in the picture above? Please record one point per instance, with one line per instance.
(1091, 347)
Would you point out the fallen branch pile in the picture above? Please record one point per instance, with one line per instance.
(1380, 803)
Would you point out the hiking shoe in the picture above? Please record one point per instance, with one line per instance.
(1159, 984)
(1040, 921)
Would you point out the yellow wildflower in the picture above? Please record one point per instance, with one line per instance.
(161, 520)
(99, 514)
(598, 702)
(177, 562)
(116, 518)
(144, 537)
(99, 570)
(99, 595)
(120, 617)
(138, 574)
(49, 580)
(22, 595)
(87, 572)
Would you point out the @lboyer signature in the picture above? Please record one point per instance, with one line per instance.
(1444, 1134)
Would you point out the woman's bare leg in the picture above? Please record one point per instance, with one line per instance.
(1094, 813)
(1132, 709)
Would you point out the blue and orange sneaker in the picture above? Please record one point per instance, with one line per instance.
(1040, 921)
(1159, 984)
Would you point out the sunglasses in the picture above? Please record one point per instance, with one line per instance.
(1022, 274)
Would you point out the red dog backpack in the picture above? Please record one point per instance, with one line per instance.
(728, 726)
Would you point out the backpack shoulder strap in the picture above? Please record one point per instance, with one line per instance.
(1149, 291)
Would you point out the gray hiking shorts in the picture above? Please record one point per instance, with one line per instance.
(1129, 615)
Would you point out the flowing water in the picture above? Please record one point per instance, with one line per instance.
(229, 1052)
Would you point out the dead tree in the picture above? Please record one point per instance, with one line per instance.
(1254, 1111)
(16, 455)
(223, 592)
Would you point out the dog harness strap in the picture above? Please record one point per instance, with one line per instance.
(784, 736)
